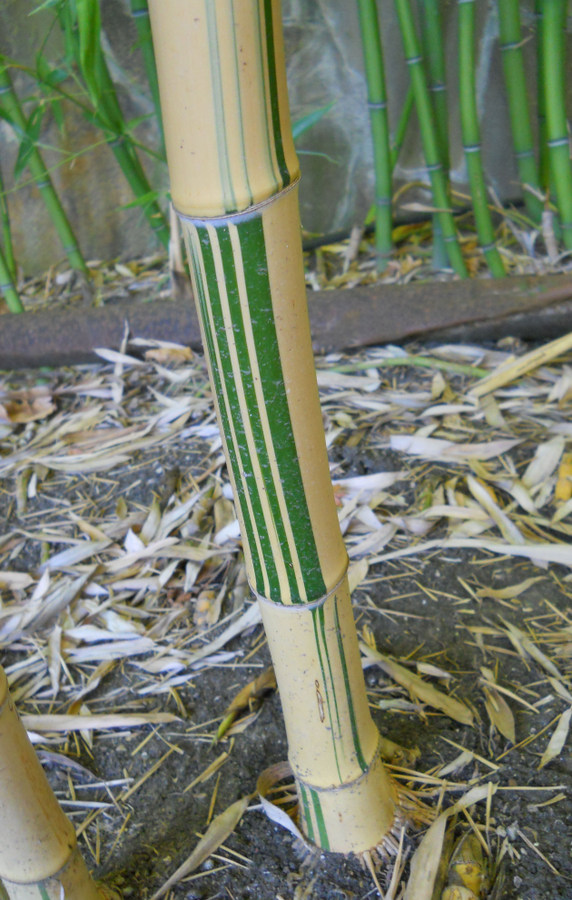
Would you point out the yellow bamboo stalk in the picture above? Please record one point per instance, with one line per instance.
(39, 857)
(234, 179)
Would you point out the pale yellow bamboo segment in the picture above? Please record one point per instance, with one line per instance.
(245, 415)
(190, 236)
(319, 705)
(333, 742)
(221, 133)
(37, 841)
(358, 813)
(281, 224)
(72, 883)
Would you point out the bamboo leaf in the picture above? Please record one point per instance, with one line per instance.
(558, 739)
(499, 713)
(304, 123)
(419, 688)
(425, 862)
(216, 834)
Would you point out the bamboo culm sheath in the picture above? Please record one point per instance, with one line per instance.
(234, 176)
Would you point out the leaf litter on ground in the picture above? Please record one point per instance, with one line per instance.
(94, 575)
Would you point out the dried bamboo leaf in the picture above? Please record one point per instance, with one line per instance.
(558, 739)
(418, 688)
(499, 712)
(93, 721)
(516, 368)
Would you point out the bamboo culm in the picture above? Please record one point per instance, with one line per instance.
(434, 58)
(543, 161)
(6, 241)
(472, 138)
(81, 25)
(7, 287)
(429, 135)
(39, 857)
(140, 15)
(515, 81)
(377, 103)
(11, 106)
(558, 141)
(234, 173)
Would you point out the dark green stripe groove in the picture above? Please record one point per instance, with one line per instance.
(216, 81)
(240, 115)
(319, 638)
(273, 89)
(307, 811)
(355, 733)
(322, 830)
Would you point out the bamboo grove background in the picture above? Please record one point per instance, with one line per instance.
(81, 73)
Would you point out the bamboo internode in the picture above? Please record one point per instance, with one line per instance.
(234, 177)
(39, 859)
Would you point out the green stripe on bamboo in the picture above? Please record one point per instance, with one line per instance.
(515, 80)
(472, 137)
(558, 141)
(10, 104)
(429, 137)
(377, 103)
(434, 58)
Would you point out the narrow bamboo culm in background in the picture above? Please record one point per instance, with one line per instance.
(377, 103)
(472, 137)
(515, 81)
(558, 139)
(434, 59)
(39, 857)
(429, 137)
(543, 161)
(140, 15)
(234, 175)
(7, 287)
(10, 105)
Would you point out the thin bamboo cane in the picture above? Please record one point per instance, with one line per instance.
(515, 80)
(7, 286)
(6, 231)
(398, 135)
(429, 135)
(39, 857)
(554, 20)
(472, 138)
(10, 104)
(140, 15)
(234, 178)
(543, 161)
(81, 24)
(377, 103)
(434, 57)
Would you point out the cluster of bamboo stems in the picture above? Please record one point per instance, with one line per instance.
(549, 177)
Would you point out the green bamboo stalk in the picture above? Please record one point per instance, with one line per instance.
(434, 58)
(515, 80)
(6, 232)
(429, 135)
(7, 286)
(140, 15)
(472, 138)
(398, 135)
(234, 175)
(11, 106)
(377, 103)
(81, 23)
(544, 162)
(554, 21)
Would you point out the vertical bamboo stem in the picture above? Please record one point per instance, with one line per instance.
(544, 163)
(434, 58)
(39, 857)
(10, 103)
(234, 178)
(6, 232)
(7, 286)
(515, 80)
(140, 15)
(472, 138)
(554, 20)
(377, 103)
(429, 137)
